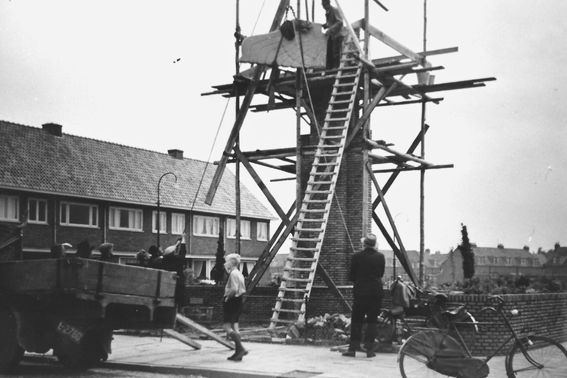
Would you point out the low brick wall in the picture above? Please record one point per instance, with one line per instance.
(544, 314)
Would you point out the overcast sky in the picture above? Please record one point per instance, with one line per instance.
(132, 71)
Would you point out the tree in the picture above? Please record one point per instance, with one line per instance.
(218, 272)
(466, 253)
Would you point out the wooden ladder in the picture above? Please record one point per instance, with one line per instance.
(301, 264)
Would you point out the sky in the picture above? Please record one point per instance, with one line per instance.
(132, 72)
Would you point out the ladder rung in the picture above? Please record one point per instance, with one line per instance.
(324, 173)
(288, 310)
(293, 290)
(327, 155)
(313, 210)
(305, 259)
(345, 93)
(308, 229)
(330, 145)
(318, 191)
(319, 182)
(317, 201)
(331, 137)
(335, 128)
(339, 102)
(307, 239)
(291, 279)
(299, 269)
(339, 119)
(283, 321)
(327, 164)
(303, 249)
(290, 300)
(342, 85)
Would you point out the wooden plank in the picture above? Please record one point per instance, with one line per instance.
(258, 70)
(381, 36)
(403, 253)
(441, 166)
(205, 331)
(261, 185)
(269, 255)
(382, 93)
(397, 153)
(181, 337)
(331, 284)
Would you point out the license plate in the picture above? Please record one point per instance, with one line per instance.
(68, 330)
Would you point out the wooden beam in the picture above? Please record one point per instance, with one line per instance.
(402, 257)
(331, 285)
(382, 93)
(261, 184)
(413, 168)
(181, 337)
(381, 36)
(399, 154)
(391, 220)
(205, 331)
(394, 175)
(258, 71)
(269, 254)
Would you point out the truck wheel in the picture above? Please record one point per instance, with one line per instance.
(12, 353)
(84, 355)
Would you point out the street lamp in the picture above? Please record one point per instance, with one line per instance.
(158, 226)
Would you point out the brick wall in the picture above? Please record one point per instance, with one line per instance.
(544, 314)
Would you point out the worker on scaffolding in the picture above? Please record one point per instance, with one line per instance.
(334, 33)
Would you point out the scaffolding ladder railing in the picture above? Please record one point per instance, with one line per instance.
(301, 264)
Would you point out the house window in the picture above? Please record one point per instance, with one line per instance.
(524, 262)
(162, 222)
(9, 206)
(177, 223)
(125, 219)
(261, 231)
(481, 260)
(205, 226)
(535, 262)
(37, 211)
(231, 229)
(79, 214)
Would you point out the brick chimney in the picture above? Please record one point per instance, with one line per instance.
(176, 154)
(53, 129)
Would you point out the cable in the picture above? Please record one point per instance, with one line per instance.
(210, 154)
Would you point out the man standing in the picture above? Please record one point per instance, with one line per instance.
(366, 271)
(334, 26)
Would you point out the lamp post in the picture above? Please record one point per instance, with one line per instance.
(158, 226)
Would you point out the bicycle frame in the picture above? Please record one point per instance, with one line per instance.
(514, 335)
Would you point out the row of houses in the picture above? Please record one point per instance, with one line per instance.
(70, 188)
(490, 262)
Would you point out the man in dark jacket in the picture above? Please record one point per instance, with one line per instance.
(366, 271)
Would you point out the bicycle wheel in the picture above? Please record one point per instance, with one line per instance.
(417, 356)
(543, 351)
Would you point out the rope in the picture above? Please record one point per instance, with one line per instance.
(210, 154)
(257, 18)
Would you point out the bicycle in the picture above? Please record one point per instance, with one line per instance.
(393, 325)
(435, 353)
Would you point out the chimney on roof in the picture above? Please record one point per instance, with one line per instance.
(500, 246)
(526, 248)
(52, 128)
(176, 154)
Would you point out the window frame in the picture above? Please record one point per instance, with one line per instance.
(127, 209)
(195, 226)
(258, 223)
(179, 216)
(161, 224)
(37, 211)
(16, 199)
(68, 204)
(242, 221)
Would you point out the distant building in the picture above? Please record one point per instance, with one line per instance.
(491, 263)
(555, 265)
(70, 188)
(431, 263)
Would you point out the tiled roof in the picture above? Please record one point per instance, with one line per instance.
(502, 252)
(32, 159)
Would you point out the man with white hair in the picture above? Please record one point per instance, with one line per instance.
(232, 303)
